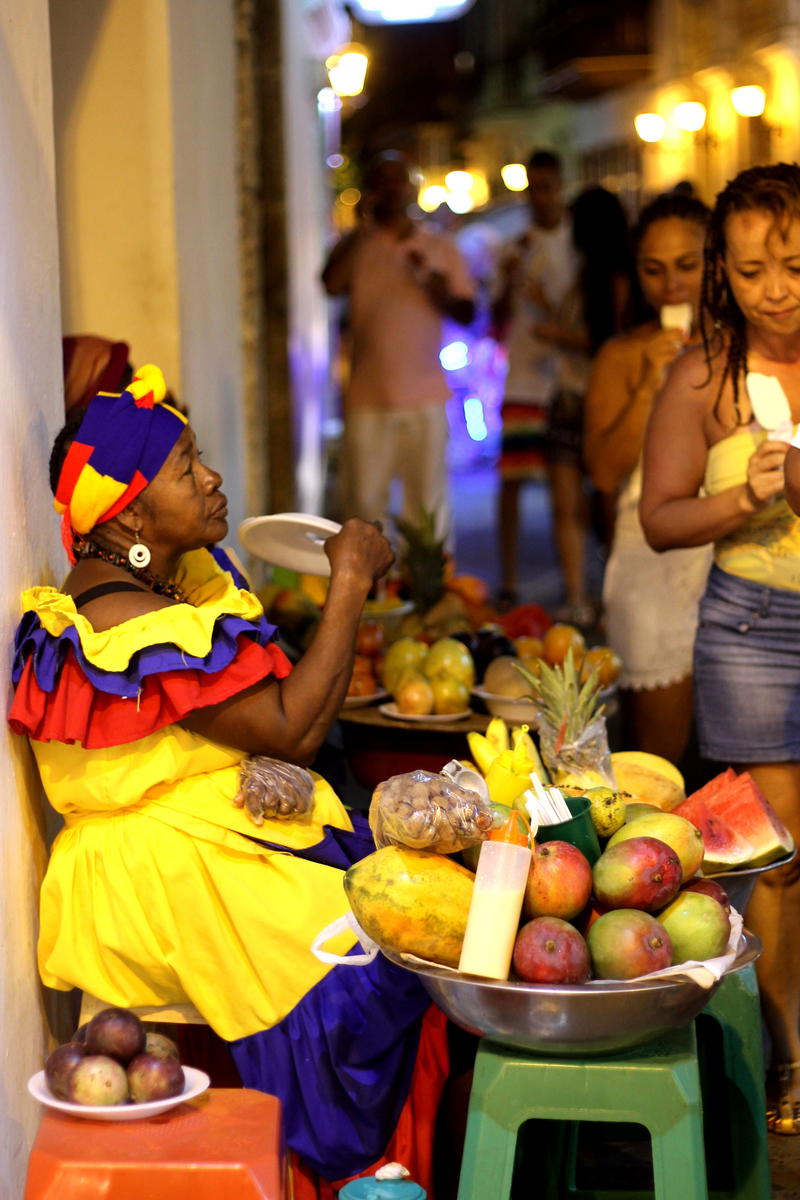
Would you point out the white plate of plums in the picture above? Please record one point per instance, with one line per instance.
(115, 1070)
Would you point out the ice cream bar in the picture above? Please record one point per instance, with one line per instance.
(768, 400)
(677, 316)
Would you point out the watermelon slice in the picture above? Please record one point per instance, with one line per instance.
(724, 847)
(743, 806)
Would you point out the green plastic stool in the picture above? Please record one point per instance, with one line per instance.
(732, 1081)
(736, 1009)
(656, 1085)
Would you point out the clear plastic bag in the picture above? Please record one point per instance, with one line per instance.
(270, 788)
(425, 811)
(586, 761)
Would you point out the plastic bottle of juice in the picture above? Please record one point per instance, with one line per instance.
(494, 912)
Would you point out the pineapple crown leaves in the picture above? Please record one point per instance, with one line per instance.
(566, 705)
(423, 558)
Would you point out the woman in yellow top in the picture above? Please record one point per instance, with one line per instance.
(146, 684)
(714, 472)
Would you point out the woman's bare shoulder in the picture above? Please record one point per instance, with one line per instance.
(693, 374)
(109, 608)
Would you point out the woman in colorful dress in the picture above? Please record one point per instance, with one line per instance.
(649, 600)
(146, 683)
(714, 473)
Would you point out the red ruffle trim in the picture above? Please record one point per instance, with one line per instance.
(77, 712)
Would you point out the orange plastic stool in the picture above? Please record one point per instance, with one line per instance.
(228, 1142)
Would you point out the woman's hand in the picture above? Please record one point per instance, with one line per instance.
(359, 550)
(765, 473)
(660, 351)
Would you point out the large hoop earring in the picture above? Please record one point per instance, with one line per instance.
(139, 555)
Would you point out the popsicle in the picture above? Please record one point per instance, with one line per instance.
(770, 405)
(677, 316)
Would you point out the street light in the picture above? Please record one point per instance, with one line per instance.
(649, 126)
(347, 69)
(514, 176)
(749, 101)
(689, 116)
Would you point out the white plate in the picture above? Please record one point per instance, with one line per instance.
(291, 540)
(363, 701)
(196, 1083)
(390, 710)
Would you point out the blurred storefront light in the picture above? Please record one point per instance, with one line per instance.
(328, 101)
(649, 126)
(454, 356)
(690, 116)
(459, 181)
(475, 419)
(395, 12)
(514, 176)
(347, 69)
(459, 202)
(749, 101)
(431, 197)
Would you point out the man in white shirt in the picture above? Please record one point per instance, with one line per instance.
(401, 280)
(536, 272)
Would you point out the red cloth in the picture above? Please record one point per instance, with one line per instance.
(77, 712)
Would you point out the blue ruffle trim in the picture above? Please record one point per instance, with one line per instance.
(48, 654)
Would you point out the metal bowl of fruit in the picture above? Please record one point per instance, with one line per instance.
(571, 1020)
(739, 884)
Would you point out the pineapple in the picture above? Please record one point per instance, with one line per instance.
(422, 561)
(571, 725)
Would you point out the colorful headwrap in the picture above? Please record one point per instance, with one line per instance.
(121, 445)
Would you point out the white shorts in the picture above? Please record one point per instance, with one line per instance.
(409, 444)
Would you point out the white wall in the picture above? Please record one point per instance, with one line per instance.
(204, 137)
(306, 236)
(30, 368)
(113, 128)
(146, 166)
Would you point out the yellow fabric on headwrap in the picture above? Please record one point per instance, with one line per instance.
(121, 445)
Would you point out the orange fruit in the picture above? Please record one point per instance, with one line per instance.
(607, 662)
(559, 640)
(528, 647)
(362, 685)
(362, 665)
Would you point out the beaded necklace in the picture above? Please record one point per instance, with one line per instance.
(88, 549)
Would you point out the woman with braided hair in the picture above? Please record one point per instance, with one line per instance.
(714, 473)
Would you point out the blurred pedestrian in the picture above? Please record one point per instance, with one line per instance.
(592, 310)
(649, 600)
(535, 272)
(401, 280)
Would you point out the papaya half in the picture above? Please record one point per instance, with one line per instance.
(412, 902)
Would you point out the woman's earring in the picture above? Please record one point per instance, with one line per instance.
(138, 555)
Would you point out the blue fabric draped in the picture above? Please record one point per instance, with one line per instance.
(341, 1061)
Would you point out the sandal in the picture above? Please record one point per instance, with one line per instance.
(784, 1116)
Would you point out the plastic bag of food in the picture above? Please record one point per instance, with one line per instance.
(270, 788)
(425, 811)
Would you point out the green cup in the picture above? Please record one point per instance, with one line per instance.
(578, 830)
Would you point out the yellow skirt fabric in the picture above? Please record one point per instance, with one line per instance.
(160, 895)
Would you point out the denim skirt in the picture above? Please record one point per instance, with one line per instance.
(747, 671)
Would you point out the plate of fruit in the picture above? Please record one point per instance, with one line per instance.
(114, 1070)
